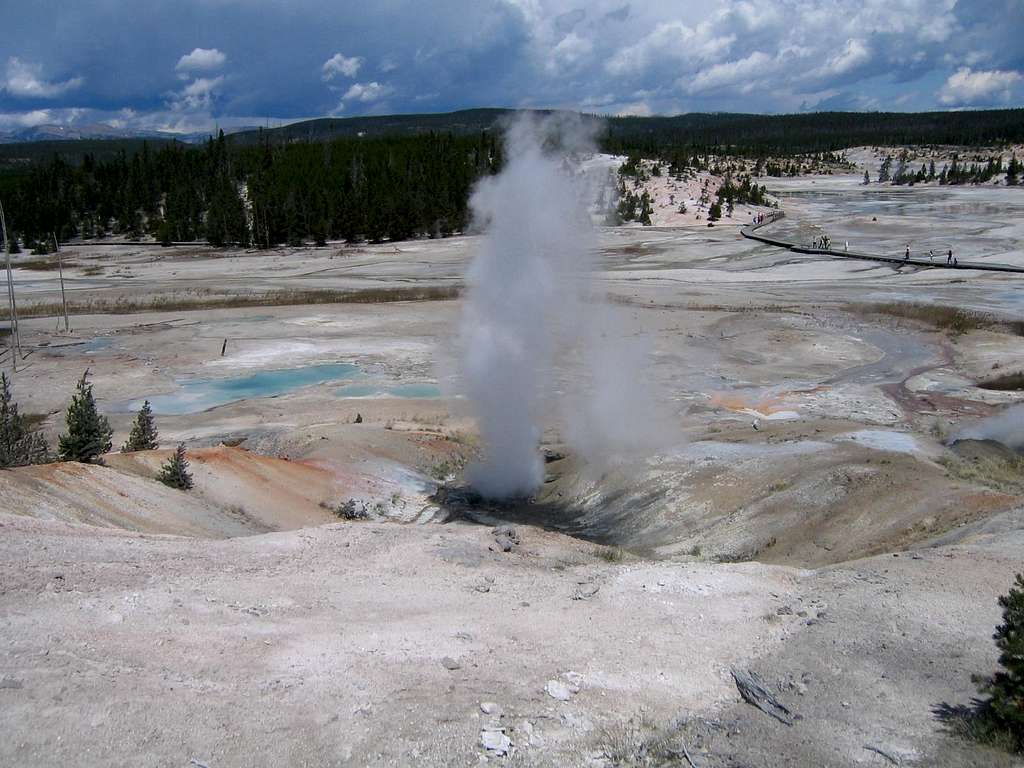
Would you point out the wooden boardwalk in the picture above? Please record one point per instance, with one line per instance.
(751, 231)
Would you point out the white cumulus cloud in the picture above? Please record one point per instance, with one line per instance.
(743, 74)
(197, 95)
(201, 60)
(854, 54)
(367, 92)
(341, 65)
(25, 79)
(967, 87)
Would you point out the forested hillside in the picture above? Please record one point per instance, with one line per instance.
(782, 135)
(391, 177)
(392, 187)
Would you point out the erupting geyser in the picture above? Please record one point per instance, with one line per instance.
(529, 301)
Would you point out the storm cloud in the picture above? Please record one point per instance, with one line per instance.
(190, 64)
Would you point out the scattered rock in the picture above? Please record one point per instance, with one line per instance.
(585, 591)
(530, 734)
(558, 690)
(490, 708)
(450, 664)
(575, 681)
(494, 739)
(506, 537)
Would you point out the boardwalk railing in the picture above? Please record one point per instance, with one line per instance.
(751, 232)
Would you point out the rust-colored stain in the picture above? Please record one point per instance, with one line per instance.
(734, 401)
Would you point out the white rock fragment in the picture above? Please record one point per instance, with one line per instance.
(495, 740)
(490, 708)
(558, 690)
(575, 681)
(530, 734)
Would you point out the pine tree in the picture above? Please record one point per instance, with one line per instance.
(18, 446)
(1005, 706)
(645, 209)
(883, 171)
(1011, 171)
(143, 436)
(175, 472)
(89, 433)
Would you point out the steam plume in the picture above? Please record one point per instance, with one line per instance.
(1006, 427)
(529, 304)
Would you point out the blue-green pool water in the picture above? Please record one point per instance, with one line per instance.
(421, 390)
(196, 395)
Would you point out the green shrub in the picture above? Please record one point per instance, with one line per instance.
(175, 472)
(352, 510)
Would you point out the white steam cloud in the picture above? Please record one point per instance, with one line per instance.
(1006, 427)
(530, 312)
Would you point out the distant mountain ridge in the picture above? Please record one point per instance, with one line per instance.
(461, 122)
(765, 134)
(91, 131)
(804, 132)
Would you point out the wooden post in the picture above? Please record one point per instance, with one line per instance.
(63, 298)
(15, 340)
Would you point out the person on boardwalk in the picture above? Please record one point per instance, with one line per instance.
(931, 254)
(906, 254)
(949, 256)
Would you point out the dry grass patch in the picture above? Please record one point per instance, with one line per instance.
(1002, 474)
(42, 264)
(206, 300)
(953, 319)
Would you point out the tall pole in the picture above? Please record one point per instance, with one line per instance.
(60, 269)
(15, 340)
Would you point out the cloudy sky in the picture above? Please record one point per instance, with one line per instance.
(186, 65)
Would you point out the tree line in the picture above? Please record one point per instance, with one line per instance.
(813, 132)
(268, 194)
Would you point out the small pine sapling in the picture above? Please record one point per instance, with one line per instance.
(89, 433)
(143, 436)
(175, 472)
